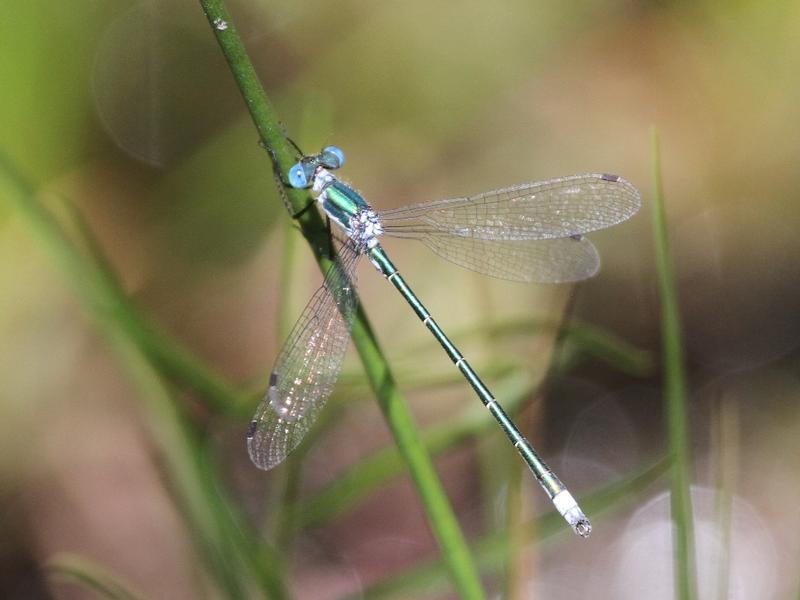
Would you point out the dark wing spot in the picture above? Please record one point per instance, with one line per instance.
(609, 177)
(576, 236)
(251, 429)
(273, 379)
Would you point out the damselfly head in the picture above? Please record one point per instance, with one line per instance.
(301, 175)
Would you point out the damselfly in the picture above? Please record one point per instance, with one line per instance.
(531, 232)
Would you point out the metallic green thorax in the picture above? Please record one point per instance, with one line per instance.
(341, 203)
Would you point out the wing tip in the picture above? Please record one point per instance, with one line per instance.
(632, 191)
(259, 458)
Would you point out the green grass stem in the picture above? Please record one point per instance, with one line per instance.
(90, 575)
(102, 292)
(440, 514)
(173, 359)
(675, 393)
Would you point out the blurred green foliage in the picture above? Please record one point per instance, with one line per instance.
(125, 113)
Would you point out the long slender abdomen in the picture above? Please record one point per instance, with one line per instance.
(560, 496)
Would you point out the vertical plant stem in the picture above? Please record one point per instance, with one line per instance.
(172, 358)
(675, 392)
(440, 514)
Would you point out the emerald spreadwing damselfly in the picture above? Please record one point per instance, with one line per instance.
(532, 232)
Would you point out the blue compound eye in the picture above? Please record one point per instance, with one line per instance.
(298, 176)
(332, 157)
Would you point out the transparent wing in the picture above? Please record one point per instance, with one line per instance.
(531, 261)
(555, 208)
(307, 367)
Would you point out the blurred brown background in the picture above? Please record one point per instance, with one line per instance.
(128, 110)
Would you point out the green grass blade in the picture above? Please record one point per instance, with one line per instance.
(675, 392)
(607, 347)
(178, 447)
(92, 576)
(264, 562)
(429, 577)
(440, 514)
(174, 359)
(170, 433)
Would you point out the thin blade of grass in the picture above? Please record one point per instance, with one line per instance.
(431, 492)
(608, 348)
(178, 447)
(675, 393)
(92, 576)
(265, 562)
(173, 358)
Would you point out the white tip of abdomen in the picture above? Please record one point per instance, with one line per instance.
(569, 509)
